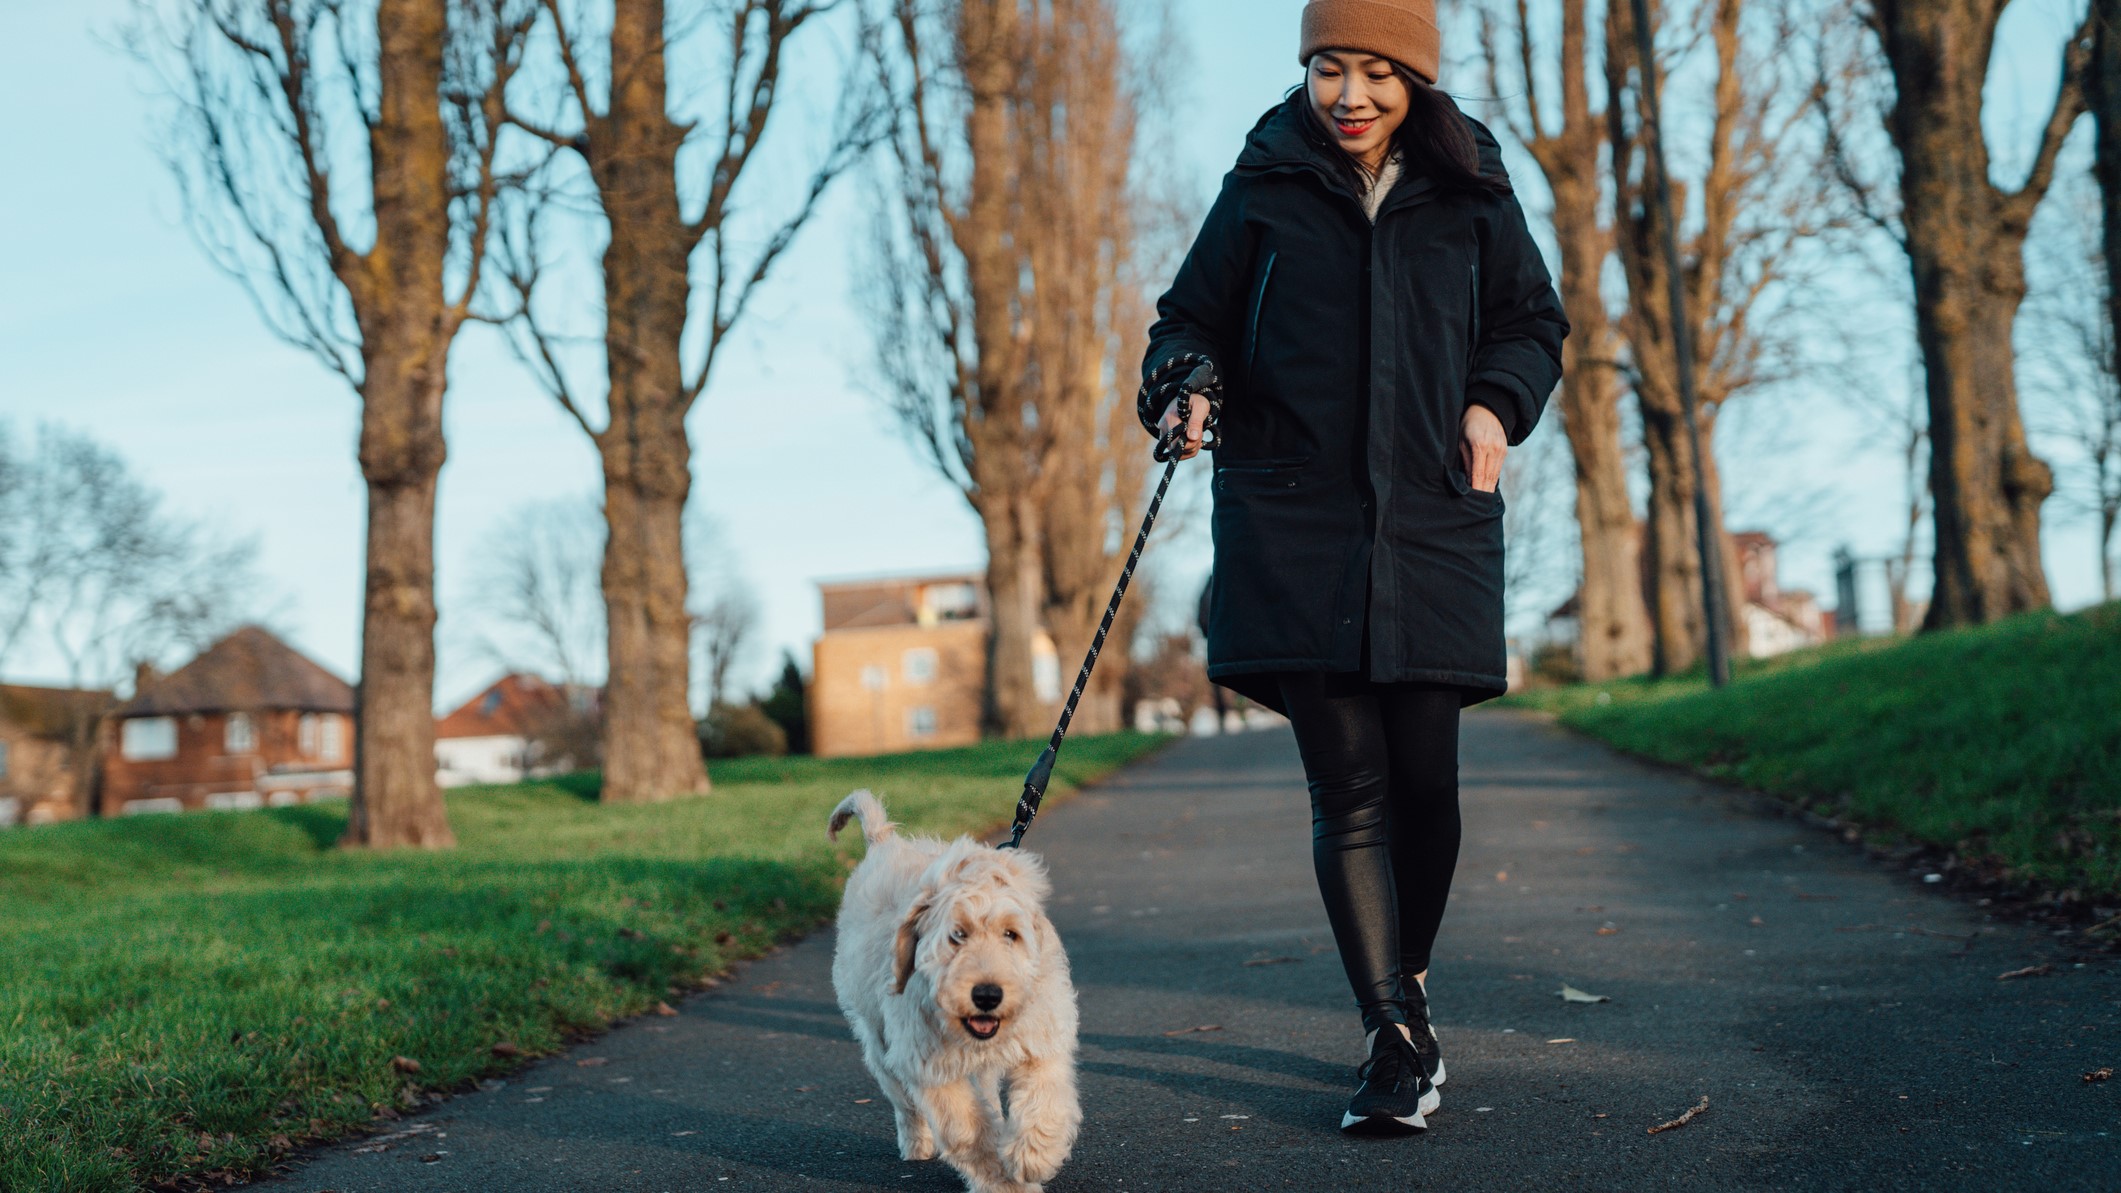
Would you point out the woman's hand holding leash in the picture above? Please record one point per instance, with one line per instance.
(1195, 421)
(1481, 447)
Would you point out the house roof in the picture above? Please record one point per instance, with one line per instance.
(513, 706)
(51, 712)
(250, 670)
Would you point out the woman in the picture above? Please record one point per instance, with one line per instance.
(1385, 328)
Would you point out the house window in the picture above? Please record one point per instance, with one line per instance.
(146, 739)
(319, 736)
(919, 665)
(874, 677)
(234, 801)
(920, 722)
(239, 737)
(150, 807)
(3, 760)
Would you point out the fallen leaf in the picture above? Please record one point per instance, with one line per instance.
(1756, 921)
(404, 1064)
(1203, 1027)
(504, 1050)
(591, 1062)
(2030, 971)
(1684, 1119)
(1608, 930)
(2101, 1073)
(1502, 876)
(431, 1158)
(863, 1101)
(664, 1008)
(1572, 994)
(1563, 1040)
(382, 1004)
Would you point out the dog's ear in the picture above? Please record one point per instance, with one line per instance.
(909, 935)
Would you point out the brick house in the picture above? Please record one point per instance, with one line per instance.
(250, 722)
(900, 666)
(502, 734)
(48, 748)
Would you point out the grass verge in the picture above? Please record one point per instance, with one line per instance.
(2001, 745)
(186, 999)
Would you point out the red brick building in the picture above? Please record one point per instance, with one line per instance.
(48, 749)
(516, 729)
(250, 722)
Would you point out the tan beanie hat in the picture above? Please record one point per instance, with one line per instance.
(1402, 30)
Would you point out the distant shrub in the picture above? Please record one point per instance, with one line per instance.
(740, 731)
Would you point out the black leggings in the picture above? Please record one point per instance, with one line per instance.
(1382, 760)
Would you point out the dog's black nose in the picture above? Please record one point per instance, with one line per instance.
(987, 996)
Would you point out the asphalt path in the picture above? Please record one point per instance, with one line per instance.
(1846, 1023)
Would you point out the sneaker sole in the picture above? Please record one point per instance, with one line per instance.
(1438, 1079)
(1385, 1124)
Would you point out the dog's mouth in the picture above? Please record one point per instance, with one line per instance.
(982, 1027)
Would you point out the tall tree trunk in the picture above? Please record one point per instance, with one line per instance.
(990, 41)
(396, 799)
(1615, 638)
(632, 148)
(429, 102)
(406, 327)
(1011, 706)
(651, 750)
(1965, 241)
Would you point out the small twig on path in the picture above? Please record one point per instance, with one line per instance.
(2030, 971)
(1190, 1030)
(1684, 1119)
(2099, 1074)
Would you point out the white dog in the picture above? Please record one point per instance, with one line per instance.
(954, 981)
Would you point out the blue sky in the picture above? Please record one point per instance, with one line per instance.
(112, 322)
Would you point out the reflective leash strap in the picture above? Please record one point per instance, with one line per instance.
(1203, 374)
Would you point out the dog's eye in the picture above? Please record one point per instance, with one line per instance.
(1009, 934)
(957, 936)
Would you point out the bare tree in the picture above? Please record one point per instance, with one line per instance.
(97, 575)
(1964, 237)
(725, 628)
(2075, 367)
(1616, 638)
(1759, 205)
(304, 129)
(615, 112)
(535, 585)
(1010, 304)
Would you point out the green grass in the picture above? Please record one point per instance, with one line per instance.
(199, 994)
(2002, 743)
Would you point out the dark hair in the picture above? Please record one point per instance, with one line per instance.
(1434, 136)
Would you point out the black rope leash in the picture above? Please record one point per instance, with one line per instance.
(1178, 379)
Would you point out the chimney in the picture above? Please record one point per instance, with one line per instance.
(144, 676)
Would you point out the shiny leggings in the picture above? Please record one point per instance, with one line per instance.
(1382, 760)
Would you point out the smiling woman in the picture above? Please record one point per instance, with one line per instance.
(1385, 329)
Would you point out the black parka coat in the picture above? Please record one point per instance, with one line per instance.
(1344, 519)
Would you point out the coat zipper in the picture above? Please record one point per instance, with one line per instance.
(1259, 303)
(1473, 344)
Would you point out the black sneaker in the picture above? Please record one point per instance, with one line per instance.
(1395, 1094)
(1425, 1044)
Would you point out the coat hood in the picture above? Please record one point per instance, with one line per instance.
(1278, 142)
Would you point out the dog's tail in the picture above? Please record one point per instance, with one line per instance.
(875, 827)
